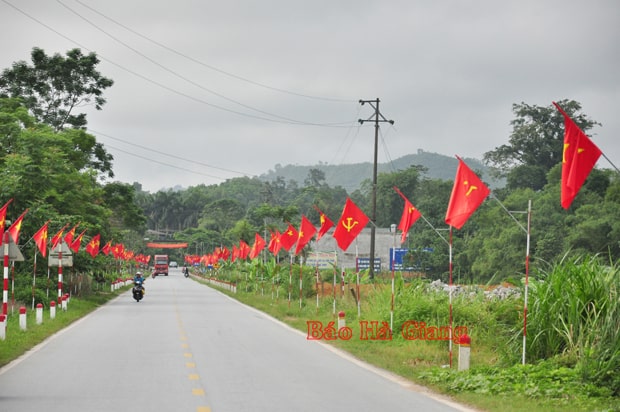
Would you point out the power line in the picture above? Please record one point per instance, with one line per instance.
(174, 73)
(170, 89)
(166, 154)
(210, 66)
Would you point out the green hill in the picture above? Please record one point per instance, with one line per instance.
(350, 176)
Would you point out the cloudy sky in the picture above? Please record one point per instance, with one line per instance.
(209, 90)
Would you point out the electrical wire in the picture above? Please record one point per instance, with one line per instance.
(193, 83)
(208, 66)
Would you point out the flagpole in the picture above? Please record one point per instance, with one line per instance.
(527, 271)
(450, 296)
(34, 277)
(527, 265)
(393, 265)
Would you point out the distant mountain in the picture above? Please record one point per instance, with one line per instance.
(350, 176)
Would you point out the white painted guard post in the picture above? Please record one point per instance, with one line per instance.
(52, 309)
(2, 326)
(39, 313)
(341, 320)
(22, 318)
(464, 350)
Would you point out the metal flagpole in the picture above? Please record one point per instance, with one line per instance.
(527, 265)
(450, 297)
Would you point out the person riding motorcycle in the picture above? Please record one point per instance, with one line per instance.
(185, 271)
(138, 281)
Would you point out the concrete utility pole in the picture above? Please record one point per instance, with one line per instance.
(378, 117)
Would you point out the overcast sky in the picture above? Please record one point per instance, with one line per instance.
(221, 89)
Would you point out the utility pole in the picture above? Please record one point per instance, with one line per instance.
(377, 118)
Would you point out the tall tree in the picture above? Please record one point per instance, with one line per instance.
(55, 86)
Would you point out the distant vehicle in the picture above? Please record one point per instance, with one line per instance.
(161, 265)
(174, 264)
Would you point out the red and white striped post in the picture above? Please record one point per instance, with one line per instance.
(52, 309)
(5, 290)
(39, 312)
(60, 272)
(22, 318)
(2, 326)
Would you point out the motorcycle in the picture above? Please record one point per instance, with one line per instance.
(138, 291)
(186, 272)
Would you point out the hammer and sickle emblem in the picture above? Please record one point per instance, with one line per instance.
(349, 225)
(470, 188)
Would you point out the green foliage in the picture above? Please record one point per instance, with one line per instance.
(574, 313)
(54, 86)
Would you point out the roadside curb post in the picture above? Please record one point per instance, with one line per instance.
(341, 320)
(52, 309)
(39, 313)
(22, 318)
(64, 302)
(464, 351)
(2, 326)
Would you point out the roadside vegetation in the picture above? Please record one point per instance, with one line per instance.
(573, 332)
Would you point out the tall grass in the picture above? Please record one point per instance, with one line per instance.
(574, 314)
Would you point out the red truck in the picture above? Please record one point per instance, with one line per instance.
(161, 265)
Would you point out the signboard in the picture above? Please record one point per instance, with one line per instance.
(14, 253)
(322, 260)
(396, 258)
(67, 260)
(364, 263)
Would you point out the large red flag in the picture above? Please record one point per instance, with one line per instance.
(259, 244)
(16, 227)
(3, 219)
(289, 237)
(351, 223)
(326, 224)
(306, 232)
(92, 248)
(40, 239)
(468, 193)
(579, 156)
(409, 217)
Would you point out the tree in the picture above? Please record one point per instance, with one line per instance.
(535, 144)
(55, 86)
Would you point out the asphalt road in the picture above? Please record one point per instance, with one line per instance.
(187, 347)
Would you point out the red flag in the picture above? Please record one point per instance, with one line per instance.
(259, 244)
(408, 218)
(306, 232)
(235, 253)
(75, 245)
(118, 251)
(468, 193)
(274, 243)
(15, 228)
(107, 248)
(92, 248)
(58, 236)
(326, 224)
(40, 239)
(289, 237)
(351, 223)
(579, 156)
(70, 234)
(3, 219)
(244, 249)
